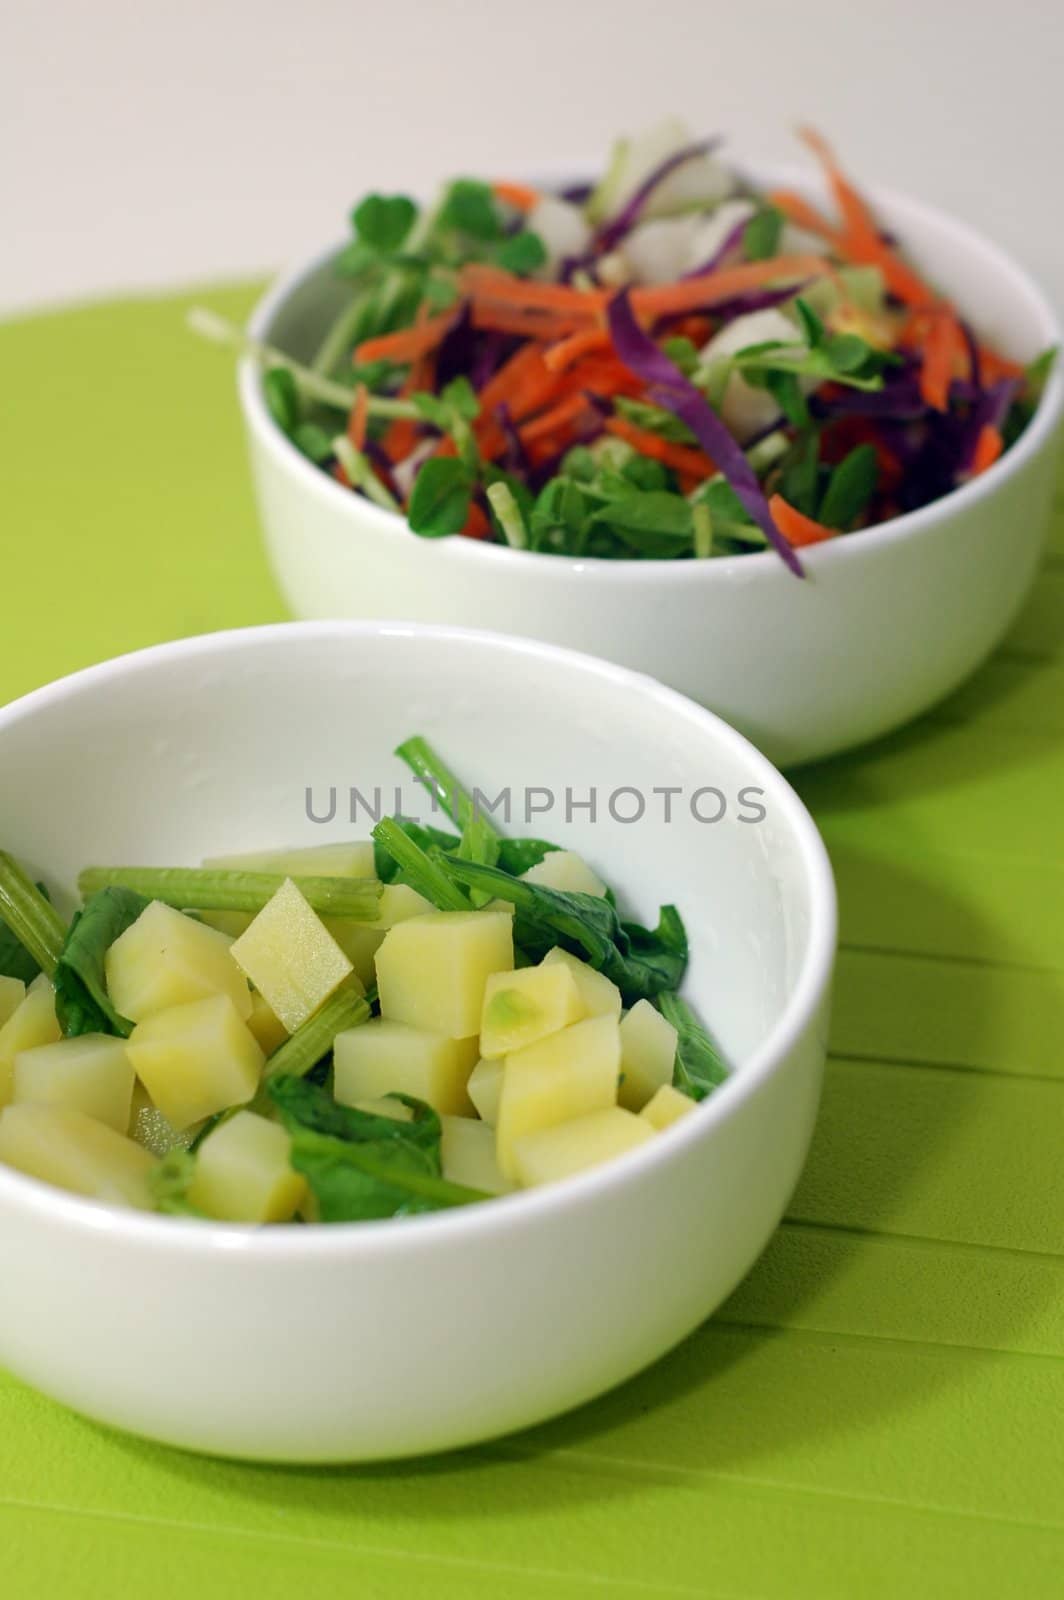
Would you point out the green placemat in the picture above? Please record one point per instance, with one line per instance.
(877, 1411)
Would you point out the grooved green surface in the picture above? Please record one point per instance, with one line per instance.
(877, 1411)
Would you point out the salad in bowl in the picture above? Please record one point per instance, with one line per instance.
(669, 363)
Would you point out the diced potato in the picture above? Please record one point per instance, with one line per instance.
(73, 1151)
(244, 1174)
(291, 957)
(196, 1059)
(166, 959)
(384, 1105)
(648, 1055)
(565, 870)
(484, 1088)
(521, 1007)
(566, 1075)
(354, 860)
(360, 941)
(599, 996)
(667, 1106)
(432, 970)
(467, 1154)
(149, 1127)
(31, 1024)
(266, 1025)
(558, 1152)
(383, 1057)
(91, 1073)
(12, 994)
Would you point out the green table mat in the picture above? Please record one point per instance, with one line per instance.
(877, 1411)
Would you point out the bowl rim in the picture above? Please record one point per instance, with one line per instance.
(521, 1208)
(726, 569)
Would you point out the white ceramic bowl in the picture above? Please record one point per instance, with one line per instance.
(888, 621)
(389, 1338)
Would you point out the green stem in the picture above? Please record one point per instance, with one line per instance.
(703, 525)
(393, 1176)
(361, 475)
(36, 924)
(508, 512)
(418, 869)
(344, 1009)
(207, 889)
(313, 385)
(437, 776)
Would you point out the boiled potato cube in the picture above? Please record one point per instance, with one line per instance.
(484, 1088)
(32, 1023)
(243, 1172)
(360, 941)
(667, 1106)
(566, 1075)
(521, 1007)
(291, 957)
(353, 860)
(166, 959)
(432, 970)
(12, 994)
(264, 1023)
(197, 1059)
(648, 1055)
(467, 1154)
(92, 1073)
(558, 1152)
(599, 996)
(149, 1127)
(62, 1146)
(565, 870)
(385, 1105)
(384, 1057)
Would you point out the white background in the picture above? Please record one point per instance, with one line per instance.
(147, 145)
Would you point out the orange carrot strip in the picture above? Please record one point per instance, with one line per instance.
(988, 447)
(797, 529)
(502, 383)
(408, 343)
(681, 457)
(943, 344)
(556, 417)
(996, 366)
(796, 209)
(566, 351)
(518, 195)
(530, 324)
(692, 294)
(860, 239)
(356, 423)
(491, 283)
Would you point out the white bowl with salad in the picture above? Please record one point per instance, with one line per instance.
(347, 1138)
(790, 453)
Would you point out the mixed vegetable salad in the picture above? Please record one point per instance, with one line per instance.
(351, 1031)
(669, 363)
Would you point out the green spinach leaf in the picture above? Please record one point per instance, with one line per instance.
(81, 1001)
(699, 1067)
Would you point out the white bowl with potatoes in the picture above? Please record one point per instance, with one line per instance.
(449, 1137)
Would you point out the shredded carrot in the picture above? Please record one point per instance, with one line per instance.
(477, 525)
(988, 447)
(408, 343)
(356, 423)
(796, 209)
(566, 351)
(501, 385)
(943, 346)
(860, 239)
(713, 288)
(530, 324)
(505, 288)
(518, 195)
(995, 366)
(681, 457)
(556, 417)
(797, 529)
